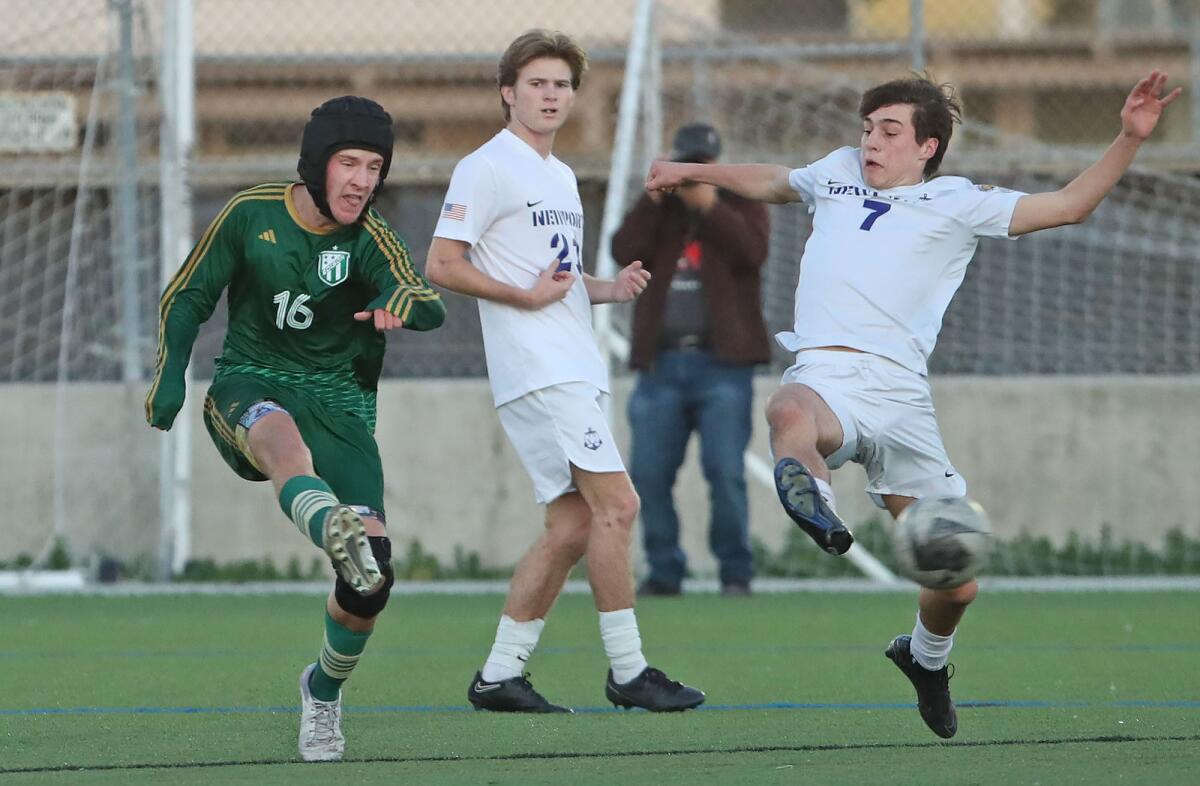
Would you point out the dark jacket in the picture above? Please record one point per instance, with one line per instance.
(733, 237)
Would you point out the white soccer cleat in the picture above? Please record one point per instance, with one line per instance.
(320, 724)
(347, 545)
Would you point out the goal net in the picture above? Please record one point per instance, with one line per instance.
(80, 189)
(79, 243)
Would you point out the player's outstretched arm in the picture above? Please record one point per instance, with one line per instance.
(628, 284)
(447, 266)
(1075, 202)
(764, 182)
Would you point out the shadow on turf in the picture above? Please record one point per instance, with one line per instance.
(603, 755)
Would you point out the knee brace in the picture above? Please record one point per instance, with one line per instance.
(368, 606)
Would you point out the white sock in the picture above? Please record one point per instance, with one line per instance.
(514, 644)
(826, 493)
(622, 644)
(929, 650)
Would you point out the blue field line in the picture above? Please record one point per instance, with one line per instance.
(774, 705)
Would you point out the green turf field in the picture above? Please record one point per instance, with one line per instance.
(1052, 688)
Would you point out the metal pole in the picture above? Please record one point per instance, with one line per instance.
(175, 239)
(125, 242)
(652, 100)
(614, 199)
(917, 34)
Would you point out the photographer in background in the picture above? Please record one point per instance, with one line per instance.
(698, 332)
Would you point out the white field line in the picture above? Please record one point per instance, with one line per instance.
(58, 583)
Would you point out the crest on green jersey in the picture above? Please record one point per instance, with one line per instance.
(333, 266)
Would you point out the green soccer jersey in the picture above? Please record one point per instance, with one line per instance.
(293, 292)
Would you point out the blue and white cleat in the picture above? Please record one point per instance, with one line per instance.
(320, 724)
(802, 500)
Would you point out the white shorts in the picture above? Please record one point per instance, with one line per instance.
(558, 426)
(888, 422)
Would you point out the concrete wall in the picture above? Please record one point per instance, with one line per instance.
(1047, 455)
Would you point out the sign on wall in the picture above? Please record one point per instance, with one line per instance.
(37, 122)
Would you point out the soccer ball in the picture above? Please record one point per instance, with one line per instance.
(942, 542)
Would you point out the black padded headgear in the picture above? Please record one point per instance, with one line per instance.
(337, 124)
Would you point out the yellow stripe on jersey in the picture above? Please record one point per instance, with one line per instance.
(238, 439)
(402, 300)
(415, 290)
(265, 192)
(399, 301)
(397, 254)
(222, 428)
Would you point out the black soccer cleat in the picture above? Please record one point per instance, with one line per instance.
(797, 489)
(515, 694)
(933, 688)
(652, 690)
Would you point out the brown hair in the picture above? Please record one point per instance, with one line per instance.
(935, 110)
(535, 44)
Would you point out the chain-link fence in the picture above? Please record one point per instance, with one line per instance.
(77, 178)
(86, 177)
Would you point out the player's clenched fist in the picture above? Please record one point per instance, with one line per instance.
(630, 282)
(667, 175)
(551, 286)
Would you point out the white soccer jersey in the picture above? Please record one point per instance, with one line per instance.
(519, 212)
(881, 267)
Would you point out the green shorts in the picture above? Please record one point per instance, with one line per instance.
(345, 454)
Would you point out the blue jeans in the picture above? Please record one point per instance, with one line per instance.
(690, 391)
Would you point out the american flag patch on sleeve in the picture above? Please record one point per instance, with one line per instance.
(454, 211)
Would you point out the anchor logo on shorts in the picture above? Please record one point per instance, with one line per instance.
(591, 439)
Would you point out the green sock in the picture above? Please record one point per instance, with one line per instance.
(305, 500)
(339, 655)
